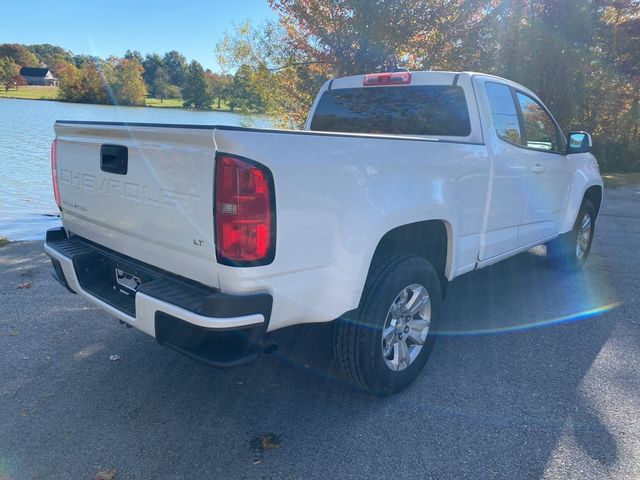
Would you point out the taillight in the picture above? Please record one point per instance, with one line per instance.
(395, 78)
(244, 212)
(54, 172)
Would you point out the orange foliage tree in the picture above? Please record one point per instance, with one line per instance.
(581, 56)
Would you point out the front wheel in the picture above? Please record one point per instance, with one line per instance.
(383, 346)
(570, 250)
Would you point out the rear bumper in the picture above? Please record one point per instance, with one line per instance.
(199, 321)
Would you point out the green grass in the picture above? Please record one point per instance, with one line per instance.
(31, 92)
(177, 103)
(167, 103)
(614, 180)
(224, 106)
(4, 242)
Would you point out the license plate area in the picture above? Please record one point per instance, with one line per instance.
(113, 280)
(126, 282)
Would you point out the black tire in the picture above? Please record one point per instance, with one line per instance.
(358, 344)
(563, 251)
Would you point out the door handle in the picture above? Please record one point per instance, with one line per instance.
(537, 168)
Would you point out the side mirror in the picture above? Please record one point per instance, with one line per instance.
(579, 142)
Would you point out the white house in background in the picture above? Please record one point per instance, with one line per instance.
(39, 76)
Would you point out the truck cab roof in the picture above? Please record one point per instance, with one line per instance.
(429, 77)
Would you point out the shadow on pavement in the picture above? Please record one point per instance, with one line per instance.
(487, 405)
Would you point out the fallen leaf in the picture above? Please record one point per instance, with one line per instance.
(269, 442)
(25, 285)
(107, 474)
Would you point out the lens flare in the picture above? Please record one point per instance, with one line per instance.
(574, 317)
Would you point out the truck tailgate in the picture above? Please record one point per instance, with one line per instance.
(156, 207)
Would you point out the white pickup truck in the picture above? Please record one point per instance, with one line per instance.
(209, 237)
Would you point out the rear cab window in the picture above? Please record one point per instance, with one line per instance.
(421, 110)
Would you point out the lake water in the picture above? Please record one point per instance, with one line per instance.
(27, 207)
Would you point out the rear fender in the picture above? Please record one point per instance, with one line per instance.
(389, 226)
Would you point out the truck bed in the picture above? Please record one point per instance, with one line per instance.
(161, 211)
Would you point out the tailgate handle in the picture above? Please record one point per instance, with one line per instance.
(114, 159)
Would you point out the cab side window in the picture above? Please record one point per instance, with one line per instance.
(503, 112)
(540, 130)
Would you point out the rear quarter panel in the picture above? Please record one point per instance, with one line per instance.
(336, 196)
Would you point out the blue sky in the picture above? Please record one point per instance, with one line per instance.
(110, 27)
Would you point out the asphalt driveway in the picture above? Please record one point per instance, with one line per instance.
(536, 375)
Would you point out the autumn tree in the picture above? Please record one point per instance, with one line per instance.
(315, 41)
(279, 75)
(19, 54)
(126, 82)
(84, 85)
(580, 56)
(51, 55)
(357, 36)
(91, 87)
(9, 70)
(570, 53)
(544, 45)
(220, 86)
(19, 81)
(618, 128)
(69, 78)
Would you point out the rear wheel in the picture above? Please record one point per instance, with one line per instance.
(383, 346)
(570, 250)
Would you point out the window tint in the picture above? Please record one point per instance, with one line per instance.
(401, 110)
(540, 131)
(503, 111)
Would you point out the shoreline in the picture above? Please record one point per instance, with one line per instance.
(32, 227)
(170, 107)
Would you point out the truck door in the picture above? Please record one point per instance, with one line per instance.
(506, 198)
(549, 172)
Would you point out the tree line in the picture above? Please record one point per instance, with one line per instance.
(582, 57)
(130, 79)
